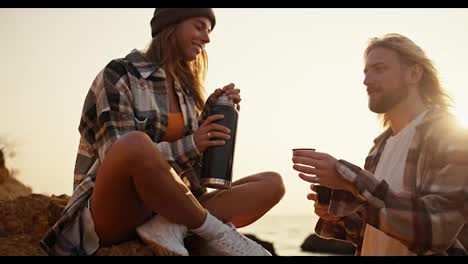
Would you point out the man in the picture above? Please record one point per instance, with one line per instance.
(411, 198)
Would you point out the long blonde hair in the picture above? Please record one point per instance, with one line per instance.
(164, 50)
(430, 89)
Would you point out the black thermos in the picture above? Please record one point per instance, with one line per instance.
(217, 161)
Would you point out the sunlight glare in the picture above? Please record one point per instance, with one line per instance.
(461, 111)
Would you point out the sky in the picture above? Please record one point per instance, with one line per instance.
(300, 72)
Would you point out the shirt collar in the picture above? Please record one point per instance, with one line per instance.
(144, 67)
(432, 114)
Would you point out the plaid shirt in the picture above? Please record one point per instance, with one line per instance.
(432, 219)
(129, 94)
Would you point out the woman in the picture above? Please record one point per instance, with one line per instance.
(143, 130)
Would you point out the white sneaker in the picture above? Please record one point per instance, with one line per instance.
(163, 237)
(230, 242)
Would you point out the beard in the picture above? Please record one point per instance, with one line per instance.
(382, 103)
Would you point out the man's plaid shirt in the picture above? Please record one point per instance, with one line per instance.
(432, 219)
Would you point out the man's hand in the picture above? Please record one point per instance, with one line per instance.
(323, 166)
(321, 210)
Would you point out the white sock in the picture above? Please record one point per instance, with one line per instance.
(210, 227)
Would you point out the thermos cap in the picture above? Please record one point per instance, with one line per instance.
(224, 99)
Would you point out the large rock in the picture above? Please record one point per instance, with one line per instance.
(10, 187)
(26, 217)
(23, 222)
(314, 243)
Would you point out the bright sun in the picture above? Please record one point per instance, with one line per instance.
(461, 111)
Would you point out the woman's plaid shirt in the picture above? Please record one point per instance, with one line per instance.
(129, 94)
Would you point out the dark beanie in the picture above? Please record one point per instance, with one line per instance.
(164, 17)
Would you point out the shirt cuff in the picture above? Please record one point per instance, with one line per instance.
(194, 145)
(347, 170)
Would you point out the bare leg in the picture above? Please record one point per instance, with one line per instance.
(133, 181)
(249, 199)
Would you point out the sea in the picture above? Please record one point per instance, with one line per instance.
(286, 232)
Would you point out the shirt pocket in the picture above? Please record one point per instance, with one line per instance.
(143, 120)
(147, 123)
(141, 123)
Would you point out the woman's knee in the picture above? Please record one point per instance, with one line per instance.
(275, 184)
(133, 142)
(135, 146)
(133, 155)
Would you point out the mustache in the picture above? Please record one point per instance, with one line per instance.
(371, 89)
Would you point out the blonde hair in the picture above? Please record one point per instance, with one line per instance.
(164, 50)
(430, 89)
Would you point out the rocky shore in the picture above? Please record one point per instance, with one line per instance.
(26, 216)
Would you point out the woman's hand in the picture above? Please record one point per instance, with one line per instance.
(208, 130)
(231, 91)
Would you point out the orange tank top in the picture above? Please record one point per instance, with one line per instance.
(175, 128)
